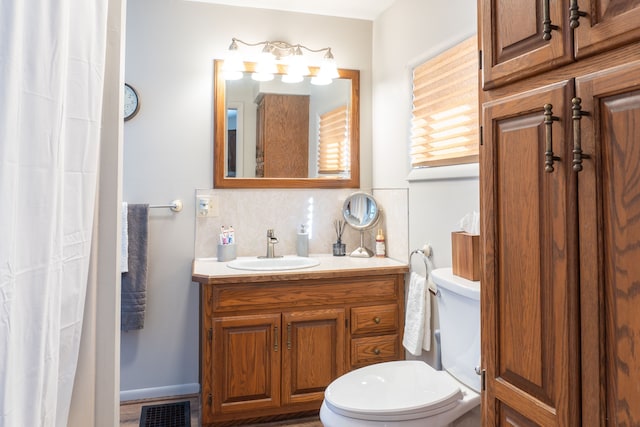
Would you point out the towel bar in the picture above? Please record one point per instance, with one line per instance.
(175, 205)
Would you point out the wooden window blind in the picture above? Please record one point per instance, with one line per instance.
(333, 148)
(444, 123)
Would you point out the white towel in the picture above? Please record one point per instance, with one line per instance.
(417, 325)
(124, 239)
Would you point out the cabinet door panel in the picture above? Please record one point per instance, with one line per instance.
(532, 324)
(512, 39)
(313, 354)
(246, 364)
(610, 268)
(608, 24)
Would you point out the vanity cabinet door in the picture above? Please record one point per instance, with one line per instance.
(313, 353)
(246, 363)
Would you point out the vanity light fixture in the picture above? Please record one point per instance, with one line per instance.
(278, 52)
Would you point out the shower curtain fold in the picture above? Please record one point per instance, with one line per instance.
(52, 59)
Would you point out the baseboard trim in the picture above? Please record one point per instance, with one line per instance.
(156, 392)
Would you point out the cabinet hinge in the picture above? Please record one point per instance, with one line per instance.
(210, 334)
(483, 380)
(481, 139)
(209, 399)
(480, 60)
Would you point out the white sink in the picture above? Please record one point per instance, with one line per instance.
(273, 264)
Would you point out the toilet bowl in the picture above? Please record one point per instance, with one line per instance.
(406, 393)
(410, 393)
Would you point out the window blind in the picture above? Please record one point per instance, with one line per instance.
(444, 124)
(333, 147)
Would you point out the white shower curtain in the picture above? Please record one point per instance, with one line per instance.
(52, 61)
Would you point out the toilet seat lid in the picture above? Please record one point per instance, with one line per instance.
(393, 391)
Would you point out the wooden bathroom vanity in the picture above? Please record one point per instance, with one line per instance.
(270, 342)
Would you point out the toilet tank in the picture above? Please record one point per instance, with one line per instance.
(458, 302)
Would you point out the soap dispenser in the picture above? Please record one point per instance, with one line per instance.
(302, 244)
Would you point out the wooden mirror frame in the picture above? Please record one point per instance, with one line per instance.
(220, 128)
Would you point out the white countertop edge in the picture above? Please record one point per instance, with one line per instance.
(212, 268)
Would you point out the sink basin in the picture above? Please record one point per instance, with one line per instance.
(273, 264)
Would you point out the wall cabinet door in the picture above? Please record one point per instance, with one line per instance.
(313, 353)
(246, 363)
(606, 24)
(530, 321)
(522, 37)
(609, 189)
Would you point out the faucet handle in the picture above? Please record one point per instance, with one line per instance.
(270, 232)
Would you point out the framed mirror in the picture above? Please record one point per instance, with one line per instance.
(286, 135)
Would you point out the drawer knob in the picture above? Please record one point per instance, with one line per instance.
(376, 351)
(376, 319)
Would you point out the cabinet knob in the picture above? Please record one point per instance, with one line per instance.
(376, 320)
(376, 351)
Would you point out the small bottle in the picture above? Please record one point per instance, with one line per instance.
(302, 244)
(380, 247)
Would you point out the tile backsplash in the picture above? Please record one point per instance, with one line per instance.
(252, 211)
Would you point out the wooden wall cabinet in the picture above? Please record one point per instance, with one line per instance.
(522, 38)
(560, 209)
(270, 347)
(282, 136)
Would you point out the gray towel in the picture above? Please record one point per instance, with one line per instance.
(134, 281)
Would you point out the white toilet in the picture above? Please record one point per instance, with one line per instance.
(410, 393)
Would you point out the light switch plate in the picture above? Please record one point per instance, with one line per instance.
(207, 206)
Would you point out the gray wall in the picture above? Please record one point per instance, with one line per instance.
(170, 47)
(406, 34)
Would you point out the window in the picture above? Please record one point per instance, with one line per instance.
(333, 146)
(444, 123)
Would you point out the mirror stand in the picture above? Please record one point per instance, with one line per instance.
(361, 212)
(362, 251)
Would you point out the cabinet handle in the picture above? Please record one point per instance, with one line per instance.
(275, 341)
(575, 14)
(549, 158)
(547, 27)
(577, 136)
(376, 320)
(288, 336)
(376, 351)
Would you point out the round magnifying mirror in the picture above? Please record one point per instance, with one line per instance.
(361, 212)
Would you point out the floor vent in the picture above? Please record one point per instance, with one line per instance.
(166, 415)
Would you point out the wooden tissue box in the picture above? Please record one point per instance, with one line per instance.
(465, 250)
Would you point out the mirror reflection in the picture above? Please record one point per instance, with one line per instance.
(360, 210)
(287, 130)
(275, 134)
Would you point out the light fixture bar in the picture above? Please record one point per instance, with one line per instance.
(274, 52)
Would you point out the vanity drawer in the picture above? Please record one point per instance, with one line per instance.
(368, 350)
(374, 319)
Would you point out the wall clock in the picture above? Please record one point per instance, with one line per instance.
(131, 102)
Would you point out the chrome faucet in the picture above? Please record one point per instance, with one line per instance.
(271, 241)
